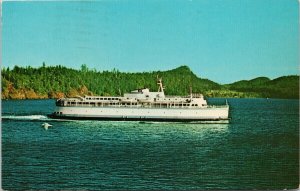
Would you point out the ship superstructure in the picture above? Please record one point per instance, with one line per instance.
(140, 105)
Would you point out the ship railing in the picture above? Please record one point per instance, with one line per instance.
(128, 105)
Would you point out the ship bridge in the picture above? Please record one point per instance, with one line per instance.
(144, 94)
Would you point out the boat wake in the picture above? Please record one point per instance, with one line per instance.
(25, 117)
(211, 122)
(31, 118)
(191, 122)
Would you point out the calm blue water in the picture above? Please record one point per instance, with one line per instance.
(259, 149)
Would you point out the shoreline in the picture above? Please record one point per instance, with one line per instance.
(204, 96)
(37, 83)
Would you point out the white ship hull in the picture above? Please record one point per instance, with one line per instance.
(142, 114)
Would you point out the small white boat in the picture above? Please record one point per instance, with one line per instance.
(46, 125)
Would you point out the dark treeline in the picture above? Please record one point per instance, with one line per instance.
(59, 81)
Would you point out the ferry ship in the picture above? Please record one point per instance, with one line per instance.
(140, 105)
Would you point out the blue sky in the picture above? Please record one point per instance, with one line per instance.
(222, 40)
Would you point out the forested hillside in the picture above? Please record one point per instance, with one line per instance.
(282, 87)
(59, 81)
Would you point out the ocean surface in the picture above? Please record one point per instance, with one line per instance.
(258, 149)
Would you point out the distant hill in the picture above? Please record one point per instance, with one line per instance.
(282, 87)
(59, 81)
(253, 82)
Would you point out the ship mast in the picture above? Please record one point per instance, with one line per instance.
(160, 88)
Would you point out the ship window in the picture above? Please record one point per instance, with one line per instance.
(108, 98)
(193, 105)
(105, 98)
(196, 104)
